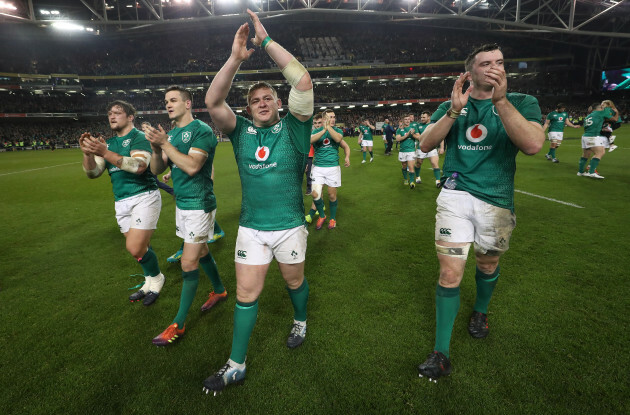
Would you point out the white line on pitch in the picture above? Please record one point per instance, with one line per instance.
(550, 199)
(41, 168)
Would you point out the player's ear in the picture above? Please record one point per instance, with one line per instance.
(279, 102)
(249, 111)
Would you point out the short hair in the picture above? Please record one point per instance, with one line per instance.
(488, 47)
(186, 95)
(425, 112)
(127, 108)
(318, 116)
(328, 111)
(257, 86)
(609, 103)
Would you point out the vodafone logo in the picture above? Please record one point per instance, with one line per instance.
(262, 153)
(476, 133)
(326, 141)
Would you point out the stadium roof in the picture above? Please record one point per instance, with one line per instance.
(601, 18)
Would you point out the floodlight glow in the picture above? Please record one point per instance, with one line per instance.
(68, 26)
(46, 12)
(322, 108)
(379, 105)
(6, 5)
(393, 105)
(55, 12)
(350, 106)
(89, 29)
(336, 106)
(409, 103)
(422, 103)
(364, 106)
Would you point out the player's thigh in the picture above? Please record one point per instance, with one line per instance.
(493, 228)
(452, 265)
(250, 281)
(293, 274)
(137, 241)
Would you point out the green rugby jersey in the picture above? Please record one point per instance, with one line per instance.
(326, 149)
(556, 121)
(125, 184)
(271, 165)
(408, 144)
(480, 151)
(419, 129)
(194, 192)
(367, 132)
(595, 120)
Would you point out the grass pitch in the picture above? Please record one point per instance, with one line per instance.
(71, 342)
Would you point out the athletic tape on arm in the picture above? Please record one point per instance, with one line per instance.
(132, 164)
(300, 102)
(98, 170)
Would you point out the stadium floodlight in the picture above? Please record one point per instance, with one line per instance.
(72, 27)
(280, 109)
(393, 105)
(351, 106)
(7, 6)
(55, 12)
(422, 103)
(89, 29)
(43, 11)
(239, 111)
(364, 106)
(379, 105)
(408, 103)
(336, 106)
(322, 108)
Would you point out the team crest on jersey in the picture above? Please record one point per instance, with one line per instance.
(326, 141)
(262, 153)
(476, 133)
(251, 130)
(169, 138)
(464, 111)
(276, 128)
(126, 142)
(186, 136)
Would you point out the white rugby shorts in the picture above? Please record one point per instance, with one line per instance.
(141, 211)
(598, 141)
(194, 226)
(421, 155)
(367, 143)
(404, 156)
(330, 176)
(254, 247)
(462, 217)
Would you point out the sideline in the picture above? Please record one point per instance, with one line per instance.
(550, 199)
(40, 168)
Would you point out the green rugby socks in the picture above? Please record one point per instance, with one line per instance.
(245, 315)
(446, 308)
(189, 289)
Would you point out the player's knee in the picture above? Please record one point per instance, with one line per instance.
(189, 264)
(449, 277)
(136, 250)
(316, 191)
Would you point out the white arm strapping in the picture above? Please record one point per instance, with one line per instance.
(293, 72)
(301, 102)
(132, 164)
(98, 170)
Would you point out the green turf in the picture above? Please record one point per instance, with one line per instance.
(71, 343)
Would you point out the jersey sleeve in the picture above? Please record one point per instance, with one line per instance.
(140, 143)
(235, 136)
(203, 138)
(300, 132)
(608, 112)
(529, 109)
(439, 113)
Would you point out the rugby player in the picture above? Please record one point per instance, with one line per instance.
(271, 156)
(594, 144)
(188, 149)
(433, 155)
(127, 156)
(484, 128)
(556, 120)
(326, 141)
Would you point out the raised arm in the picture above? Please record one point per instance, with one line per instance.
(434, 134)
(137, 163)
(301, 96)
(220, 112)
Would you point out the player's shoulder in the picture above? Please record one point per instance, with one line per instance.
(517, 98)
